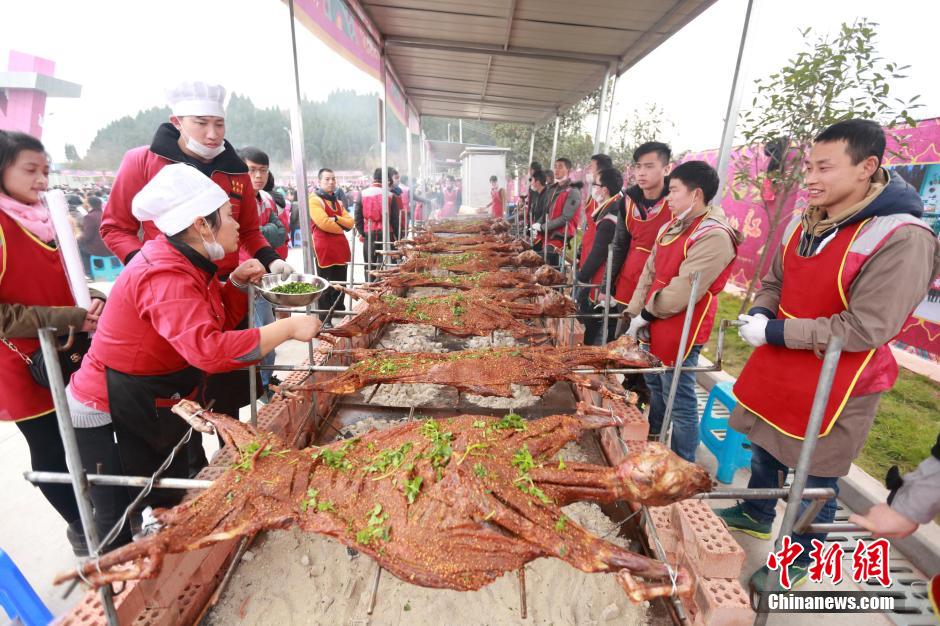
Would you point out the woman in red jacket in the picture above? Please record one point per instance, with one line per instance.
(34, 293)
(170, 321)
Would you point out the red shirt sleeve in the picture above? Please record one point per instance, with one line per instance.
(236, 305)
(119, 227)
(249, 232)
(180, 313)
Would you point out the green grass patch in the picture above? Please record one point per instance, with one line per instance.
(908, 416)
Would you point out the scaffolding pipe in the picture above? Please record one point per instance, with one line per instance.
(252, 369)
(73, 458)
(801, 473)
(383, 143)
(297, 154)
(600, 111)
(555, 142)
(680, 356)
(607, 280)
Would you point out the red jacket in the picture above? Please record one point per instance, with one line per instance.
(165, 314)
(119, 227)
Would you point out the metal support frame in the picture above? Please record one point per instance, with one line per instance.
(608, 278)
(73, 459)
(297, 154)
(610, 114)
(600, 110)
(801, 472)
(252, 369)
(460, 130)
(555, 141)
(680, 357)
(383, 130)
(531, 147)
(734, 103)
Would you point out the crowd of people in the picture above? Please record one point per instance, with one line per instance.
(195, 221)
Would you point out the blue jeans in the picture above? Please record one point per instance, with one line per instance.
(685, 436)
(264, 315)
(764, 469)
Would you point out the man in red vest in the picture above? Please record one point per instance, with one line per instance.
(644, 213)
(854, 264)
(564, 213)
(698, 239)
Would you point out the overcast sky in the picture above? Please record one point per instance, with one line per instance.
(124, 53)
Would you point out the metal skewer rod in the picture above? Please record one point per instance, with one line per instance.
(608, 278)
(523, 609)
(375, 589)
(252, 369)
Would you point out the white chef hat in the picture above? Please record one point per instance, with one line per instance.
(196, 98)
(176, 196)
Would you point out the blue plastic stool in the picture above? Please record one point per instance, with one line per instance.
(105, 267)
(731, 448)
(17, 597)
(297, 241)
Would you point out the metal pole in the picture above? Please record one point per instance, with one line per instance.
(610, 114)
(531, 147)
(110, 480)
(555, 141)
(383, 125)
(734, 104)
(680, 357)
(607, 280)
(460, 130)
(73, 458)
(252, 369)
(801, 472)
(600, 111)
(297, 155)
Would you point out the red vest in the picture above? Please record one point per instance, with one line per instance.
(665, 334)
(642, 237)
(556, 237)
(778, 384)
(497, 202)
(330, 248)
(587, 240)
(371, 203)
(450, 202)
(31, 273)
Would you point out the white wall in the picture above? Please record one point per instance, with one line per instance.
(476, 170)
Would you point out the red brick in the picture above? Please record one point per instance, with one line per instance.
(723, 602)
(706, 540)
(661, 516)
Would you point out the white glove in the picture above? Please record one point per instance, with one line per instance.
(754, 331)
(536, 228)
(281, 267)
(636, 324)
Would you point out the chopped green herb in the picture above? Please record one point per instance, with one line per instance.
(560, 524)
(310, 501)
(561, 463)
(229, 496)
(480, 470)
(412, 487)
(295, 288)
(374, 529)
(407, 606)
(512, 421)
(479, 424)
(325, 505)
(391, 458)
(523, 460)
(562, 550)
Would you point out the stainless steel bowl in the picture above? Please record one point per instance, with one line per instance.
(270, 281)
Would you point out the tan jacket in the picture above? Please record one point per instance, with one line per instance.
(710, 255)
(19, 321)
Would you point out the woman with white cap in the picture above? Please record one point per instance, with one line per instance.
(170, 321)
(195, 135)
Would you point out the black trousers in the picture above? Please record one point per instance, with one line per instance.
(334, 274)
(47, 454)
(594, 326)
(370, 252)
(100, 455)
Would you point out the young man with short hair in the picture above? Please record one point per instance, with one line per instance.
(539, 187)
(698, 239)
(564, 213)
(645, 212)
(854, 264)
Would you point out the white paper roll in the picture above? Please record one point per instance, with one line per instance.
(68, 247)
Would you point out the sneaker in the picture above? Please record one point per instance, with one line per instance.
(758, 582)
(735, 518)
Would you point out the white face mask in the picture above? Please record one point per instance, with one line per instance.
(201, 151)
(682, 215)
(598, 196)
(215, 250)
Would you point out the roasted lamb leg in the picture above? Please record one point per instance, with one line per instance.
(451, 503)
(501, 279)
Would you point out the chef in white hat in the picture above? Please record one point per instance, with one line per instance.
(194, 135)
(170, 321)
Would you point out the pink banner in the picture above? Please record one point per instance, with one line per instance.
(334, 23)
(920, 167)
(396, 102)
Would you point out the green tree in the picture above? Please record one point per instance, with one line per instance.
(71, 154)
(649, 124)
(836, 77)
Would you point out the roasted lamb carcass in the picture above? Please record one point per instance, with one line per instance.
(452, 504)
(490, 371)
(468, 226)
(448, 247)
(502, 279)
(474, 312)
(464, 262)
(426, 237)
